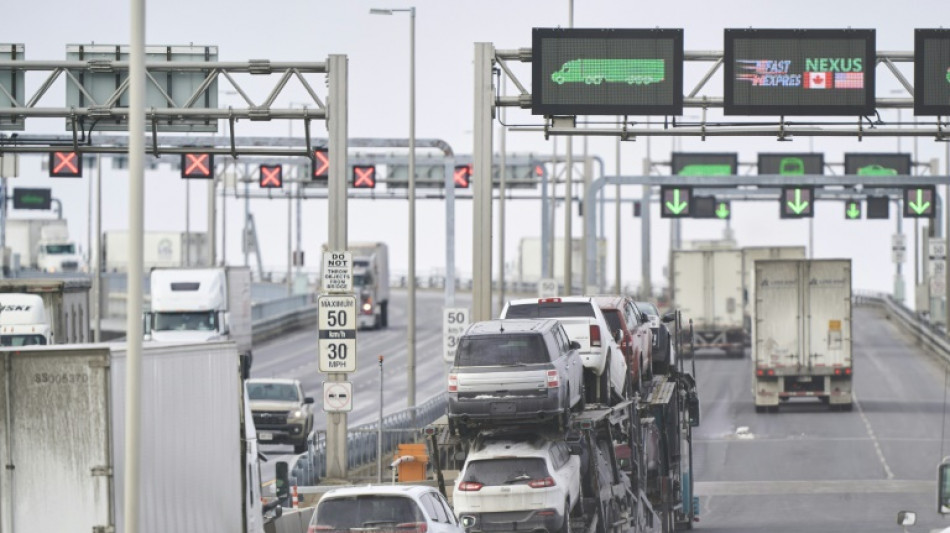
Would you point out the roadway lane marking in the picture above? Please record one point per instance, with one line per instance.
(763, 488)
(877, 445)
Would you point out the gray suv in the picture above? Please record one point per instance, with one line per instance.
(514, 371)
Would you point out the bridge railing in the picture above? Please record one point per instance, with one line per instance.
(925, 333)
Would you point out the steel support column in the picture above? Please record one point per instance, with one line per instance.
(482, 178)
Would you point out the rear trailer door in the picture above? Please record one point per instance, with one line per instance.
(724, 289)
(777, 317)
(828, 327)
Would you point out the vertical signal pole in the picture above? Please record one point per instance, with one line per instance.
(482, 181)
(336, 237)
(568, 185)
(133, 325)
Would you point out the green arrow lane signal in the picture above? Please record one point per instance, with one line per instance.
(676, 207)
(853, 210)
(723, 210)
(796, 202)
(918, 201)
(676, 202)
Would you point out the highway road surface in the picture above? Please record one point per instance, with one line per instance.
(808, 469)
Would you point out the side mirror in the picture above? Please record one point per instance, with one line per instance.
(308, 399)
(644, 318)
(669, 317)
(575, 345)
(906, 518)
(618, 335)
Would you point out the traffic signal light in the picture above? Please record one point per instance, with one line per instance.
(320, 166)
(919, 201)
(364, 176)
(797, 202)
(272, 177)
(879, 207)
(852, 210)
(462, 176)
(65, 165)
(197, 166)
(676, 202)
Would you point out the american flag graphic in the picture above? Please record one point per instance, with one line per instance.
(849, 80)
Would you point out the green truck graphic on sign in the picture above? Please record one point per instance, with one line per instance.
(595, 71)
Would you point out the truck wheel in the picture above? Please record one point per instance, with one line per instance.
(384, 314)
(759, 408)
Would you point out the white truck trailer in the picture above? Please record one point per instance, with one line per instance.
(751, 254)
(60, 315)
(200, 305)
(530, 257)
(63, 433)
(707, 288)
(160, 249)
(43, 244)
(801, 332)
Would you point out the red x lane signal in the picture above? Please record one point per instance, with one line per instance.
(462, 176)
(364, 176)
(272, 177)
(65, 165)
(197, 166)
(321, 164)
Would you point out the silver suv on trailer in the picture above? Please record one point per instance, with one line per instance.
(511, 371)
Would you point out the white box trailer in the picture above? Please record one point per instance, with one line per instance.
(66, 421)
(707, 288)
(66, 302)
(160, 249)
(801, 334)
(751, 254)
(530, 257)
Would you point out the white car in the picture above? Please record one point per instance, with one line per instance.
(401, 508)
(606, 379)
(531, 484)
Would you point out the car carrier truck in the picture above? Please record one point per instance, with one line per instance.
(801, 332)
(638, 473)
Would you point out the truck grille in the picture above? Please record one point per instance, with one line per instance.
(270, 418)
(70, 266)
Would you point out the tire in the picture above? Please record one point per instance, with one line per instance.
(582, 403)
(759, 408)
(384, 314)
(559, 80)
(847, 407)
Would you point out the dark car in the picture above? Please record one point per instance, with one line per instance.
(514, 371)
(662, 352)
(631, 328)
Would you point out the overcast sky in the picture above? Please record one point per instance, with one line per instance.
(377, 47)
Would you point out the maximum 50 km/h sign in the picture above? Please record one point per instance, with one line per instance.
(336, 333)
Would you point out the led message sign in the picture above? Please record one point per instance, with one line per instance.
(607, 72)
(799, 72)
(932, 72)
(877, 164)
(700, 164)
(791, 164)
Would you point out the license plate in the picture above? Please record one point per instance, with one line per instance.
(804, 379)
(265, 436)
(503, 408)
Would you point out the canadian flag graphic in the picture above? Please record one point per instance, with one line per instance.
(817, 80)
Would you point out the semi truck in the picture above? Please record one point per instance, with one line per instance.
(199, 466)
(370, 282)
(801, 332)
(646, 485)
(160, 249)
(201, 305)
(54, 310)
(751, 254)
(707, 287)
(596, 71)
(43, 244)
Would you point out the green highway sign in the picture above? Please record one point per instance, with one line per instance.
(675, 202)
(919, 201)
(797, 202)
(852, 210)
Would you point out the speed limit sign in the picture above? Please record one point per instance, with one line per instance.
(336, 343)
(454, 324)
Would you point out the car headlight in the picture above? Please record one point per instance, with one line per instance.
(296, 414)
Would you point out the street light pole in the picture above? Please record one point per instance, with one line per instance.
(411, 307)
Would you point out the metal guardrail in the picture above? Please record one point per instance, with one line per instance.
(398, 428)
(927, 334)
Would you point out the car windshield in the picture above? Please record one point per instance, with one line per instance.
(648, 308)
(507, 471)
(22, 340)
(495, 350)
(282, 392)
(371, 511)
(550, 310)
(198, 321)
(60, 248)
